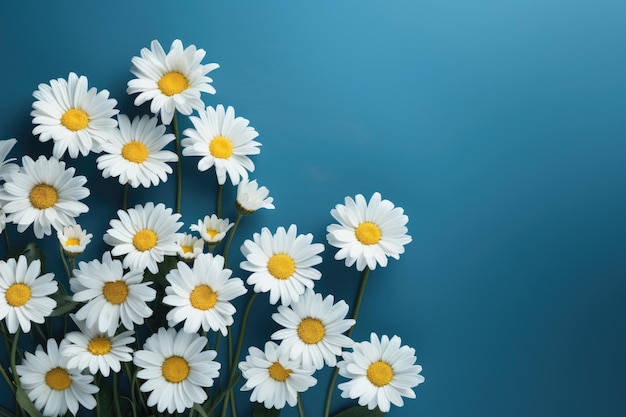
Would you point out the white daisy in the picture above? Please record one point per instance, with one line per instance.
(282, 263)
(51, 385)
(223, 141)
(24, 293)
(189, 247)
(201, 295)
(76, 118)
(95, 350)
(111, 296)
(135, 154)
(212, 229)
(73, 239)
(173, 81)
(313, 329)
(145, 235)
(44, 193)
(251, 197)
(368, 232)
(274, 378)
(6, 168)
(381, 372)
(177, 369)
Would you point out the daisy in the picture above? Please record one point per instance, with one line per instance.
(111, 296)
(381, 372)
(73, 239)
(177, 369)
(368, 232)
(145, 235)
(7, 169)
(223, 141)
(44, 193)
(24, 293)
(274, 378)
(201, 295)
(173, 81)
(282, 263)
(212, 229)
(51, 385)
(251, 197)
(76, 118)
(189, 247)
(313, 329)
(134, 152)
(95, 350)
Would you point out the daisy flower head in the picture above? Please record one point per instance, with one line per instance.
(189, 247)
(313, 329)
(91, 349)
(172, 81)
(222, 140)
(44, 193)
(201, 295)
(135, 154)
(274, 378)
(51, 385)
(6, 168)
(368, 232)
(281, 263)
(144, 235)
(212, 229)
(381, 372)
(111, 296)
(73, 239)
(24, 294)
(77, 118)
(176, 368)
(251, 197)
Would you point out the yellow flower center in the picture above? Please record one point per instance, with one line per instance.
(221, 147)
(115, 292)
(380, 373)
(72, 241)
(311, 331)
(58, 379)
(175, 369)
(186, 248)
(278, 372)
(99, 346)
(173, 83)
(144, 240)
(135, 152)
(43, 196)
(281, 266)
(212, 233)
(368, 233)
(203, 297)
(75, 119)
(17, 295)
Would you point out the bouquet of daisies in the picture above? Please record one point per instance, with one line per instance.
(146, 329)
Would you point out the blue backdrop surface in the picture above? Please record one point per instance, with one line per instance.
(499, 126)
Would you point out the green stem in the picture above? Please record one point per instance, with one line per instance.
(179, 170)
(300, 406)
(13, 360)
(116, 395)
(230, 238)
(7, 239)
(65, 265)
(125, 197)
(7, 379)
(218, 207)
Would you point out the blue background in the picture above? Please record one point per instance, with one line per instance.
(498, 125)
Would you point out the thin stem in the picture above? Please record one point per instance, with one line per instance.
(7, 239)
(13, 359)
(116, 395)
(7, 379)
(125, 197)
(218, 206)
(230, 238)
(300, 406)
(179, 170)
(65, 265)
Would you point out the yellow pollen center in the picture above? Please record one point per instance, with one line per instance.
(281, 266)
(186, 248)
(203, 297)
(135, 152)
(175, 369)
(144, 240)
(212, 233)
(17, 295)
(72, 241)
(99, 346)
(58, 379)
(115, 292)
(278, 372)
(380, 373)
(221, 147)
(75, 119)
(368, 233)
(43, 196)
(173, 83)
(311, 331)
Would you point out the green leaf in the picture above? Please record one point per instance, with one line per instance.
(360, 411)
(32, 252)
(105, 399)
(200, 410)
(64, 304)
(26, 404)
(259, 410)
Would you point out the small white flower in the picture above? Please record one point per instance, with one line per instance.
(251, 197)
(73, 239)
(212, 229)
(6, 168)
(189, 247)
(76, 118)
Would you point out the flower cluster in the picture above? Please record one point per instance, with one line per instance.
(150, 311)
